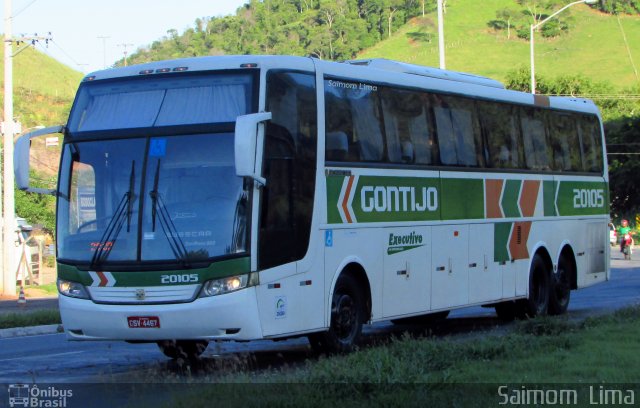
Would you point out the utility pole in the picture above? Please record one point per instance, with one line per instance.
(104, 50)
(125, 51)
(8, 224)
(441, 33)
(7, 248)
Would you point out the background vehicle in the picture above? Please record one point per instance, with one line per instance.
(613, 235)
(241, 198)
(627, 245)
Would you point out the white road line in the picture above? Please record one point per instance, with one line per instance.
(42, 356)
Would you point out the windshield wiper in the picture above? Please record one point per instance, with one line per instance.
(123, 211)
(168, 227)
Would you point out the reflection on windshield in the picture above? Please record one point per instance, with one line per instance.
(182, 202)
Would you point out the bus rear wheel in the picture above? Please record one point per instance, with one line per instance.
(347, 317)
(561, 288)
(537, 304)
(185, 349)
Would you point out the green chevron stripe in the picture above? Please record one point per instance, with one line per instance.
(510, 198)
(549, 198)
(334, 185)
(501, 233)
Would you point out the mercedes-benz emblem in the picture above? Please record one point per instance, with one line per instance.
(140, 294)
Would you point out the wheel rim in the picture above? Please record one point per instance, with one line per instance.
(345, 318)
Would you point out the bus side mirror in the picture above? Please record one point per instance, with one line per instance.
(21, 159)
(248, 155)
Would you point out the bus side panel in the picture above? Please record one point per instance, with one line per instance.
(341, 247)
(485, 275)
(596, 233)
(291, 300)
(407, 271)
(450, 271)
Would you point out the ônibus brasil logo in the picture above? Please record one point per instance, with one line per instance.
(25, 395)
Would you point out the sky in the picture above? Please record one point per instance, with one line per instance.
(77, 25)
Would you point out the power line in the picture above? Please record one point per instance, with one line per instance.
(65, 53)
(600, 96)
(23, 9)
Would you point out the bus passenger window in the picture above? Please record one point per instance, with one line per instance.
(457, 130)
(408, 135)
(500, 131)
(564, 141)
(590, 144)
(354, 109)
(536, 151)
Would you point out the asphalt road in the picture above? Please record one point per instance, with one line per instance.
(53, 359)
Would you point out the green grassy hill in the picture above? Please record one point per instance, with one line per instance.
(43, 88)
(594, 46)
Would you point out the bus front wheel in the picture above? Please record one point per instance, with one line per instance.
(185, 349)
(347, 317)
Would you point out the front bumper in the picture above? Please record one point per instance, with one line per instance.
(232, 316)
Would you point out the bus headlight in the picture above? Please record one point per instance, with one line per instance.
(216, 287)
(72, 289)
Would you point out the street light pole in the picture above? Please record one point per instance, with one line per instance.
(536, 26)
(441, 33)
(8, 225)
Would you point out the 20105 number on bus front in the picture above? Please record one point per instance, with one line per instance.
(184, 278)
(583, 198)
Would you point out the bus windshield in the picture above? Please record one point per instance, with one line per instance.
(167, 193)
(173, 198)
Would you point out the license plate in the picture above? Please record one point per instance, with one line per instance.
(144, 322)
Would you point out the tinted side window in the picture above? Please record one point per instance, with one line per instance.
(409, 133)
(534, 136)
(354, 127)
(500, 129)
(590, 144)
(458, 131)
(289, 167)
(564, 141)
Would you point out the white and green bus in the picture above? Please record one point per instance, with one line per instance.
(266, 197)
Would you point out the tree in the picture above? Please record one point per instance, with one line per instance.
(505, 17)
(38, 209)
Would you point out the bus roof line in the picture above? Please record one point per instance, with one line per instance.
(396, 66)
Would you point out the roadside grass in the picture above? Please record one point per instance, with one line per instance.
(35, 318)
(543, 352)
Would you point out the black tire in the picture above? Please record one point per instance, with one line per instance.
(347, 318)
(506, 311)
(561, 287)
(627, 252)
(423, 319)
(185, 349)
(537, 304)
